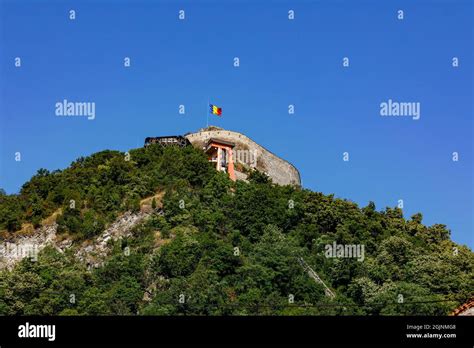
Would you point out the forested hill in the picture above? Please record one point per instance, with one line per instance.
(212, 246)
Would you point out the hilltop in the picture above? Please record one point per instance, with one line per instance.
(159, 231)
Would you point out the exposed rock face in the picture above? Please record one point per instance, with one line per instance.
(93, 253)
(249, 154)
(14, 250)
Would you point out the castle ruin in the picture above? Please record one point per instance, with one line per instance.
(235, 154)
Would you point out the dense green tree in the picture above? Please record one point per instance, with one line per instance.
(180, 257)
(221, 247)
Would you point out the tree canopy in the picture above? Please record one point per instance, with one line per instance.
(221, 247)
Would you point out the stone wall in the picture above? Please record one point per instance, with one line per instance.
(279, 170)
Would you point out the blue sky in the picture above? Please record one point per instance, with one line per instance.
(282, 62)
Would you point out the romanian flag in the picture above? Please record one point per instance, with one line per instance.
(215, 110)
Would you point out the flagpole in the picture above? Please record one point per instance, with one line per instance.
(207, 109)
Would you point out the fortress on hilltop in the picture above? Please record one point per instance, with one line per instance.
(235, 154)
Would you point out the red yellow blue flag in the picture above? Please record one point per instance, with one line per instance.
(215, 110)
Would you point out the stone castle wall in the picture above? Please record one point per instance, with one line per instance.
(280, 171)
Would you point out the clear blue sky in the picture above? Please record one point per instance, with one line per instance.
(282, 62)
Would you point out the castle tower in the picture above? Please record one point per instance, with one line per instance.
(220, 152)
